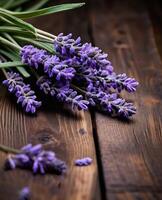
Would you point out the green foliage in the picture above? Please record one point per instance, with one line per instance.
(15, 32)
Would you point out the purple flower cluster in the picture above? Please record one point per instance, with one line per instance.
(53, 65)
(83, 162)
(22, 91)
(82, 68)
(83, 55)
(36, 159)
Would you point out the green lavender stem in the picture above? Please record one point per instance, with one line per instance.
(7, 149)
(6, 42)
(78, 89)
(49, 35)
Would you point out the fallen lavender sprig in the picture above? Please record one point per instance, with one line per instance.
(37, 159)
(22, 91)
(84, 161)
(25, 194)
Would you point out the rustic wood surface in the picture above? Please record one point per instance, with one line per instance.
(131, 151)
(127, 155)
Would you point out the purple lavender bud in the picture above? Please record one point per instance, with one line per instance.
(26, 148)
(10, 163)
(22, 158)
(44, 84)
(23, 92)
(35, 166)
(25, 194)
(50, 63)
(77, 101)
(32, 56)
(130, 84)
(83, 162)
(35, 150)
(13, 81)
(41, 168)
(58, 166)
(53, 66)
(67, 46)
(125, 109)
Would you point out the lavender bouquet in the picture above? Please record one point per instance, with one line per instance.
(75, 73)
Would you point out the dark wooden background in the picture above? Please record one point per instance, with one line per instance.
(127, 155)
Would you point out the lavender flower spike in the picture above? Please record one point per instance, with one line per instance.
(22, 91)
(84, 55)
(111, 103)
(36, 159)
(62, 93)
(121, 81)
(83, 162)
(52, 65)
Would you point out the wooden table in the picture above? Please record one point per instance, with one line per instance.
(127, 155)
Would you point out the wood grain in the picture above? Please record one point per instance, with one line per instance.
(58, 129)
(131, 151)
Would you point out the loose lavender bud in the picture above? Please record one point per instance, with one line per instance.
(23, 92)
(36, 159)
(25, 194)
(83, 162)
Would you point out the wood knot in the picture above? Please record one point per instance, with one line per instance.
(82, 131)
(119, 42)
(121, 45)
(44, 137)
(121, 32)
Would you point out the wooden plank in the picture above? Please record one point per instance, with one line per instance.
(59, 130)
(133, 196)
(155, 8)
(131, 151)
